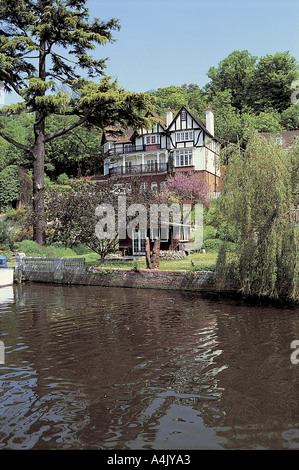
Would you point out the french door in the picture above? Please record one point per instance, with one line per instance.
(139, 236)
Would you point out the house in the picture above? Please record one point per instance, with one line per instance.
(284, 138)
(176, 143)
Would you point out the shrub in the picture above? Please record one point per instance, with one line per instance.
(212, 245)
(63, 178)
(31, 248)
(9, 187)
(6, 236)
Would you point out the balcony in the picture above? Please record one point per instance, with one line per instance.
(138, 169)
(130, 148)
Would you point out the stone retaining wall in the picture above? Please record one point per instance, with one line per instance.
(72, 272)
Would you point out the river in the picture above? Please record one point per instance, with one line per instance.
(107, 368)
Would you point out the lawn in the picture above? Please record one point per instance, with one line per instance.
(196, 261)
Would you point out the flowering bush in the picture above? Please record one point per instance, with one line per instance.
(188, 187)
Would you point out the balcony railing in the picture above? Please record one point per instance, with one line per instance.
(130, 148)
(139, 169)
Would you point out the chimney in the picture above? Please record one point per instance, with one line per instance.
(210, 120)
(169, 116)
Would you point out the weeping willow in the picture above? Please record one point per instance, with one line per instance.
(256, 213)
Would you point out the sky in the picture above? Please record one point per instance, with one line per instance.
(163, 43)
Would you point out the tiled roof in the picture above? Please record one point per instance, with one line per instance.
(118, 134)
(287, 136)
(112, 133)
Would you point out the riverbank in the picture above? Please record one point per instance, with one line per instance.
(73, 272)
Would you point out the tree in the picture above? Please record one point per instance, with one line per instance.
(271, 82)
(290, 117)
(256, 84)
(188, 187)
(232, 74)
(227, 118)
(173, 96)
(73, 212)
(255, 211)
(45, 44)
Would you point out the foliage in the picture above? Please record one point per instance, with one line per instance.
(271, 82)
(212, 245)
(290, 117)
(6, 235)
(45, 45)
(9, 187)
(233, 75)
(188, 187)
(244, 92)
(255, 211)
(31, 248)
(255, 84)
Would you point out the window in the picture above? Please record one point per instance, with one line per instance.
(184, 115)
(151, 165)
(151, 139)
(278, 140)
(128, 167)
(161, 232)
(184, 158)
(139, 236)
(128, 148)
(183, 136)
(184, 233)
(144, 186)
(154, 186)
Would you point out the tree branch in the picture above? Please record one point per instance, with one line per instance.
(65, 130)
(15, 143)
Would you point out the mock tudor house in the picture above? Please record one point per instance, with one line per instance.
(174, 144)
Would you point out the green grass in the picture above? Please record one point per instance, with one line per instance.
(193, 262)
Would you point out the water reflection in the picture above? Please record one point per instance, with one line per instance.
(99, 368)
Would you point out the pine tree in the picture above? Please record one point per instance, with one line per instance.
(45, 48)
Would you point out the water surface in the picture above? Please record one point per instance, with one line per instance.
(104, 368)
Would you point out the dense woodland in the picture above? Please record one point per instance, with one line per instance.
(244, 91)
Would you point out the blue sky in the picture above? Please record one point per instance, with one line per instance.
(163, 43)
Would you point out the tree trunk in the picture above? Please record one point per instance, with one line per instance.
(152, 260)
(39, 223)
